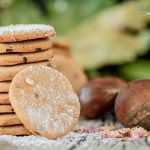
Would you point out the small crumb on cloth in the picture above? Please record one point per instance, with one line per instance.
(88, 134)
(126, 133)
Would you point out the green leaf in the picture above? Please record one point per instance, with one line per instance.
(137, 70)
(104, 39)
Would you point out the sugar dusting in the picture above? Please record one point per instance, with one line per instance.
(82, 138)
(60, 111)
(67, 141)
(25, 28)
(74, 139)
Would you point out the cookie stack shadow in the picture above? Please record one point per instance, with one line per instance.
(20, 47)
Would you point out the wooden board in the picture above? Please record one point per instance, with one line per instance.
(88, 141)
(84, 144)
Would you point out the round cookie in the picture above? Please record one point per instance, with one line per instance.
(26, 46)
(23, 32)
(7, 73)
(4, 86)
(6, 109)
(4, 98)
(71, 70)
(14, 130)
(61, 52)
(9, 119)
(13, 59)
(61, 44)
(44, 101)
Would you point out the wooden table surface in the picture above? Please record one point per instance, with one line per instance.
(88, 141)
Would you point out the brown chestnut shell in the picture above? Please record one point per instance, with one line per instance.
(97, 96)
(132, 105)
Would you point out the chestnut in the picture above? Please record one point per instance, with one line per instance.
(98, 95)
(132, 105)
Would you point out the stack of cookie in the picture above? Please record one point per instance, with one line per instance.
(67, 65)
(61, 47)
(20, 47)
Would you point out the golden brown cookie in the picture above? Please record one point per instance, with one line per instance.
(26, 46)
(71, 70)
(13, 59)
(45, 101)
(61, 46)
(20, 32)
(14, 130)
(61, 43)
(6, 109)
(4, 98)
(9, 119)
(4, 86)
(61, 52)
(7, 73)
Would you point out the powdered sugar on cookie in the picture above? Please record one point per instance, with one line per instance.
(25, 28)
(24, 32)
(50, 105)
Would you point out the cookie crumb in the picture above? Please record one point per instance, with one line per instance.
(29, 81)
(9, 50)
(24, 60)
(36, 95)
(38, 49)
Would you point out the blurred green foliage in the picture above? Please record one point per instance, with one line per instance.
(62, 14)
(115, 36)
(137, 70)
(102, 33)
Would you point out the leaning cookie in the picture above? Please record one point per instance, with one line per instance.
(23, 32)
(71, 70)
(9, 120)
(13, 59)
(7, 73)
(4, 86)
(14, 130)
(4, 98)
(26, 46)
(6, 109)
(44, 101)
